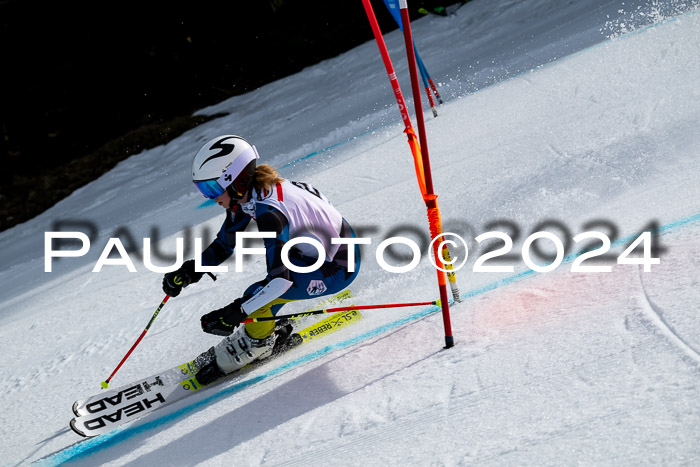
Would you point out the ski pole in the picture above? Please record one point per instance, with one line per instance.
(177, 280)
(105, 383)
(335, 310)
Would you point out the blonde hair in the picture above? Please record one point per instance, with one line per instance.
(265, 176)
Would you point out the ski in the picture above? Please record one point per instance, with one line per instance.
(108, 399)
(108, 410)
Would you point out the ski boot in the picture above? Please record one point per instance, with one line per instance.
(239, 349)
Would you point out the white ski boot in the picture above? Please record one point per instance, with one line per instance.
(239, 349)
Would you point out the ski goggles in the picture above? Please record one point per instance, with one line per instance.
(210, 188)
(214, 188)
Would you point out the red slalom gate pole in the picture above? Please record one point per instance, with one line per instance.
(387, 63)
(335, 310)
(412, 139)
(430, 196)
(421, 159)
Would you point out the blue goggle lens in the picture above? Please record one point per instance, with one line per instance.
(210, 188)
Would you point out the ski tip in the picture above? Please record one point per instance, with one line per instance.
(104, 384)
(76, 430)
(75, 409)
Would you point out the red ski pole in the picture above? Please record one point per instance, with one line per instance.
(105, 383)
(178, 281)
(335, 310)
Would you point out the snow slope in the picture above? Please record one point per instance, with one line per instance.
(547, 120)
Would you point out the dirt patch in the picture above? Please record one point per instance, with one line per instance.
(28, 196)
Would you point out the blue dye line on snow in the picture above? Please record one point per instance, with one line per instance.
(332, 146)
(622, 241)
(118, 435)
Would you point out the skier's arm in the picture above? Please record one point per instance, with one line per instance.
(216, 253)
(222, 247)
(224, 320)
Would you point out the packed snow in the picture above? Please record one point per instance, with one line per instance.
(563, 117)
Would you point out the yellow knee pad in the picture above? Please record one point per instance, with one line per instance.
(262, 329)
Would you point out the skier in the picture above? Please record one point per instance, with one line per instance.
(225, 170)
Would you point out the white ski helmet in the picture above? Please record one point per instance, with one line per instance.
(226, 162)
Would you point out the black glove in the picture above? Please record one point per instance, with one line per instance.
(174, 281)
(222, 322)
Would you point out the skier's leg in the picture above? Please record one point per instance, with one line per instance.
(250, 342)
(262, 329)
(255, 341)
